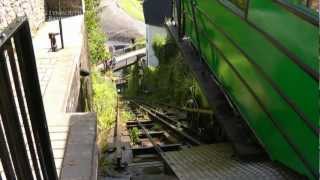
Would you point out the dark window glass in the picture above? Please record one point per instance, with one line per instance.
(314, 5)
(311, 4)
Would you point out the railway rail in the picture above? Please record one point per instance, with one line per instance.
(154, 143)
(169, 122)
(165, 146)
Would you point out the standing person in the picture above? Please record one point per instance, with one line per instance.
(133, 42)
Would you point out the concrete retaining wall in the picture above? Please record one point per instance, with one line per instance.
(85, 100)
(73, 100)
(81, 157)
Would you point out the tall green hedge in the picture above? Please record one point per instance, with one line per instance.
(104, 100)
(96, 37)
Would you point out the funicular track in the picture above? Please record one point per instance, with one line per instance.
(177, 153)
(169, 122)
(131, 162)
(200, 160)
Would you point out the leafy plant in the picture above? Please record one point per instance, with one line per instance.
(134, 135)
(104, 163)
(104, 100)
(156, 127)
(126, 115)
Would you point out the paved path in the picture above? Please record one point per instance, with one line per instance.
(56, 71)
(117, 24)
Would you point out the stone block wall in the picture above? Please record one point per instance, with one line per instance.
(10, 9)
(65, 4)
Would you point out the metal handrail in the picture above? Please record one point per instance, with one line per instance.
(21, 109)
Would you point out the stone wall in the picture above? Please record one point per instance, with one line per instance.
(65, 4)
(10, 9)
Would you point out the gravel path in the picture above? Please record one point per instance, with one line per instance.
(117, 24)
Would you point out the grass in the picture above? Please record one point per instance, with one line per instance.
(134, 135)
(133, 8)
(126, 115)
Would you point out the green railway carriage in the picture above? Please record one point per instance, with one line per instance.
(265, 54)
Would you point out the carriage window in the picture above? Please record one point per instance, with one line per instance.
(314, 5)
(307, 9)
(311, 4)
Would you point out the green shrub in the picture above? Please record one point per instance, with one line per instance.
(134, 135)
(156, 127)
(133, 78)
(140, 42)
(104, 100)
(96, 38)
(126, 115)
(171, 82)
